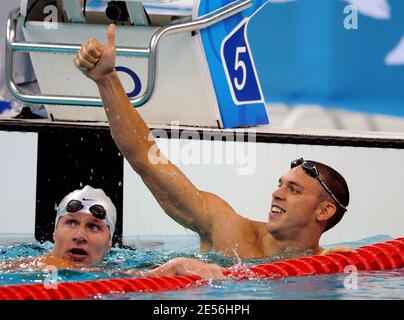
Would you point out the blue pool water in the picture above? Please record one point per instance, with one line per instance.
(149, 252)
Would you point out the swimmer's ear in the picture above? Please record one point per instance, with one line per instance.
(325, 211)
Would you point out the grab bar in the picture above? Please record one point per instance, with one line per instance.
(149, 52)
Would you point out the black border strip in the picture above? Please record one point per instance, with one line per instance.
(67, 162)
(70, 157)
(261, 137)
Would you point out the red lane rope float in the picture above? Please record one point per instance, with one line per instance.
(77, 290)
(380, 256)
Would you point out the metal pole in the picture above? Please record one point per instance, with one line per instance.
(150, 53)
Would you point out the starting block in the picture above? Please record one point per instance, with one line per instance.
(197, 69)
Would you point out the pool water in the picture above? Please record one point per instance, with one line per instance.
(149, 252)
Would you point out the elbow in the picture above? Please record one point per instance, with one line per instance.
(123, 144)
(138, 162)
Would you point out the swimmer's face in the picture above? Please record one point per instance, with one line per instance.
(81, 239)
(296, 207)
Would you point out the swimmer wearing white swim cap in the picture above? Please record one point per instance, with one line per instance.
(84, 226)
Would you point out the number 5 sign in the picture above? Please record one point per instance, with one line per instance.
(239, 67)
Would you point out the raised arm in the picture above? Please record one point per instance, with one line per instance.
(179, 198)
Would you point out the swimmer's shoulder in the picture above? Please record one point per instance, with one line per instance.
(46, 261)
(20, 264)
(223, 214)
(220, 209)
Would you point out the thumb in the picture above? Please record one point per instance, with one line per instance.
(111, 35)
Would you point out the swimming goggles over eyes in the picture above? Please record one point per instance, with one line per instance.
(310, 168)
(96, 210)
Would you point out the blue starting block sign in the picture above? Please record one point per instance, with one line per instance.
(231, 65)
(240, 68)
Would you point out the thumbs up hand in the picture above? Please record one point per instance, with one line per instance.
(96, 60)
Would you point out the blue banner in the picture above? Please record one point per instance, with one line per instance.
(347, 54)
(231, 65)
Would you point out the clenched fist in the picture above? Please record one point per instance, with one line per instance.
(96, 60)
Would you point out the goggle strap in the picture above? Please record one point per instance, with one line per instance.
(316, 176)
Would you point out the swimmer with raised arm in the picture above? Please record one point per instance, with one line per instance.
(310, 199)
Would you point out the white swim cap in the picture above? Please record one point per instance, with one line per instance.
(89, 200)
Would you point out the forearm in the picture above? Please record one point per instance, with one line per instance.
(187, 267)
(162, 271)
(166, 270)
(128, 129)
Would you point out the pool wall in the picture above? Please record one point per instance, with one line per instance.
(41, 161)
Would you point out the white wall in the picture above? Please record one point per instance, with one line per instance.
(18, 163)
(374, 176)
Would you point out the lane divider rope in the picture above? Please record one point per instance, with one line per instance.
(380, 256)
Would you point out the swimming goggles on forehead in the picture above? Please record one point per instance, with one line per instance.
(310, 168)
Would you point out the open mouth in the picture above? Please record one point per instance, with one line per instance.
(78, 254)
(276, 211)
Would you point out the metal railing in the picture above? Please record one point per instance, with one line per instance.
(150, 53)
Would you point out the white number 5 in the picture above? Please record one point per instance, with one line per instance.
(240, 64)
